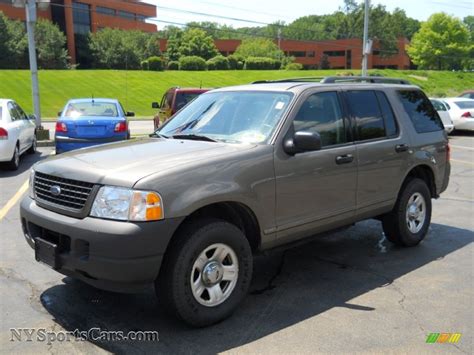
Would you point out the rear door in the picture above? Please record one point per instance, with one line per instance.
(15, 128)
(28, 126)
(382, 148)
(316, 188)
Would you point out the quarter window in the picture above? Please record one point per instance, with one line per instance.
(365, 109)
(421, 111)
(321, 113)
(389, 117)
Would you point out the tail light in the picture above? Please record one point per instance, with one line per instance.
(61, 127)
(3, 133)
(120, 127)
(448, 152)
(466, 114)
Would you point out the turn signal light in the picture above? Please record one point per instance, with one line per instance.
(61, 127)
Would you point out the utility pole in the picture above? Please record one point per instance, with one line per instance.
(365, 41)
(30, 9)
(279, 40)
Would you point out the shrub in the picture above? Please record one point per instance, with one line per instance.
(218, 63)
(262, 63)
(294, 66)
(173, 65)
(155, 63)
(236, 62)
(192, 63)
(144, 65)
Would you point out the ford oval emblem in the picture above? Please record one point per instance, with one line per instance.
(55, 190)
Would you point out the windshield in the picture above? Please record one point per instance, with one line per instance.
(91, 108)
(230, 116)
(465, 104)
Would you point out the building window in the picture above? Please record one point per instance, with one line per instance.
(81, 18)
(141, 18)
(105, 10)
(335, 53)
(126, 14)
(297, 53)
(311, 54)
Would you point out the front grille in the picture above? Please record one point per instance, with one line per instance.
(73, 195)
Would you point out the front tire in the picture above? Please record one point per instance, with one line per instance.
(407, 224)
(206, 273)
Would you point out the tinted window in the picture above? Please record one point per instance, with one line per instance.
(421, 111)
(365, 109)
(387, 112)
(183, 98)
(464, 104)
(21, 114)
(322, 113)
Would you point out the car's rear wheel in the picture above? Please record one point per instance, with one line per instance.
(408, 223)
(32, 149)
(206, 273)
(15, 162)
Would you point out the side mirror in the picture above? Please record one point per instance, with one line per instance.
(130, 114)
(59, 113)
(302, 141)
(32, 117)
(155, 105)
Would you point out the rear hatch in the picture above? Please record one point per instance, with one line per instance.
(91, 127)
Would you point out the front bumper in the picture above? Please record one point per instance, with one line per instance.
(111, 255)
(66, 144)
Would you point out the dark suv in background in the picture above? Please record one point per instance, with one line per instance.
(239, 170)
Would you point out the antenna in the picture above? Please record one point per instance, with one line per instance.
(200, 85)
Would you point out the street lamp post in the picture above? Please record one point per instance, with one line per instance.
(30, 9)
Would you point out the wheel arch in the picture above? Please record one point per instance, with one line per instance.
(425, 173)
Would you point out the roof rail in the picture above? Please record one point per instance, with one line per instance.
(338, 79)
(364, 79)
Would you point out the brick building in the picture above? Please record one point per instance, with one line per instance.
(342, 53)
(77, 18)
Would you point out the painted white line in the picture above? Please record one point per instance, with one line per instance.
(12, 202)
(461, 147)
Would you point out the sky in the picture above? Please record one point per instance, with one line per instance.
(268, 11)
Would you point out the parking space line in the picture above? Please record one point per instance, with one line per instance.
(12, 202)
(461, 147)
(462, 162)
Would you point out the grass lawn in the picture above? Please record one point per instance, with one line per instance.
(137, 89)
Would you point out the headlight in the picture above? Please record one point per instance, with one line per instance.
(31, 183)
(127, 204)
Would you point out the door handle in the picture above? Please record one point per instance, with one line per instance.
(344, 159)
(401, 148)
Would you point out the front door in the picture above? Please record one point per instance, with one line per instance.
(318, 188)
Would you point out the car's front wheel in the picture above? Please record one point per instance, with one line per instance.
(408, 223)
(206, 273)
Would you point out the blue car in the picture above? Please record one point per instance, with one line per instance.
(88, 122)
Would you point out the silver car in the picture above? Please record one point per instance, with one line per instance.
(17, 133)
(443, 113)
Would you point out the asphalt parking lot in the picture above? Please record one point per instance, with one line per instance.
(344, 292)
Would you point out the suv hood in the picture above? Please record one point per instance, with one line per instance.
(124, 163)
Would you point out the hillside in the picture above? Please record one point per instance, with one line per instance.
(137, 89)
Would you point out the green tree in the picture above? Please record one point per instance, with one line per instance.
(196, 42)
(469, 22)
(443, 42)
(50, 45)
(4, 50)
(259, 47)
(174, 43)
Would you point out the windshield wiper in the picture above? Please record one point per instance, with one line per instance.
(157, 135)
(195, 137)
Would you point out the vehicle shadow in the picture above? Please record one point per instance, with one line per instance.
(26, 162)
(289, 286)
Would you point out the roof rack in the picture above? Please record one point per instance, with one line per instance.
(338, 79)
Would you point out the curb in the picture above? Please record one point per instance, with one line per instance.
(48, 143)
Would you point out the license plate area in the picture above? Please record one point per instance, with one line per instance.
(47, 253)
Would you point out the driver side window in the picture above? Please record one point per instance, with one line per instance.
(322, 113)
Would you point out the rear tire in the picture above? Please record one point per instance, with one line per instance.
(407, 224)
(15, 162)
(206, 272)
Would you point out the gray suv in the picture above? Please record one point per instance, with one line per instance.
(236, 171)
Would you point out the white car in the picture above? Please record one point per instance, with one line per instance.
(443, 113)
(17, 133)
(461, 111)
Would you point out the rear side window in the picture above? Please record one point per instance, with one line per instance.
(387, 112)
(366, 111)
(421, 111)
